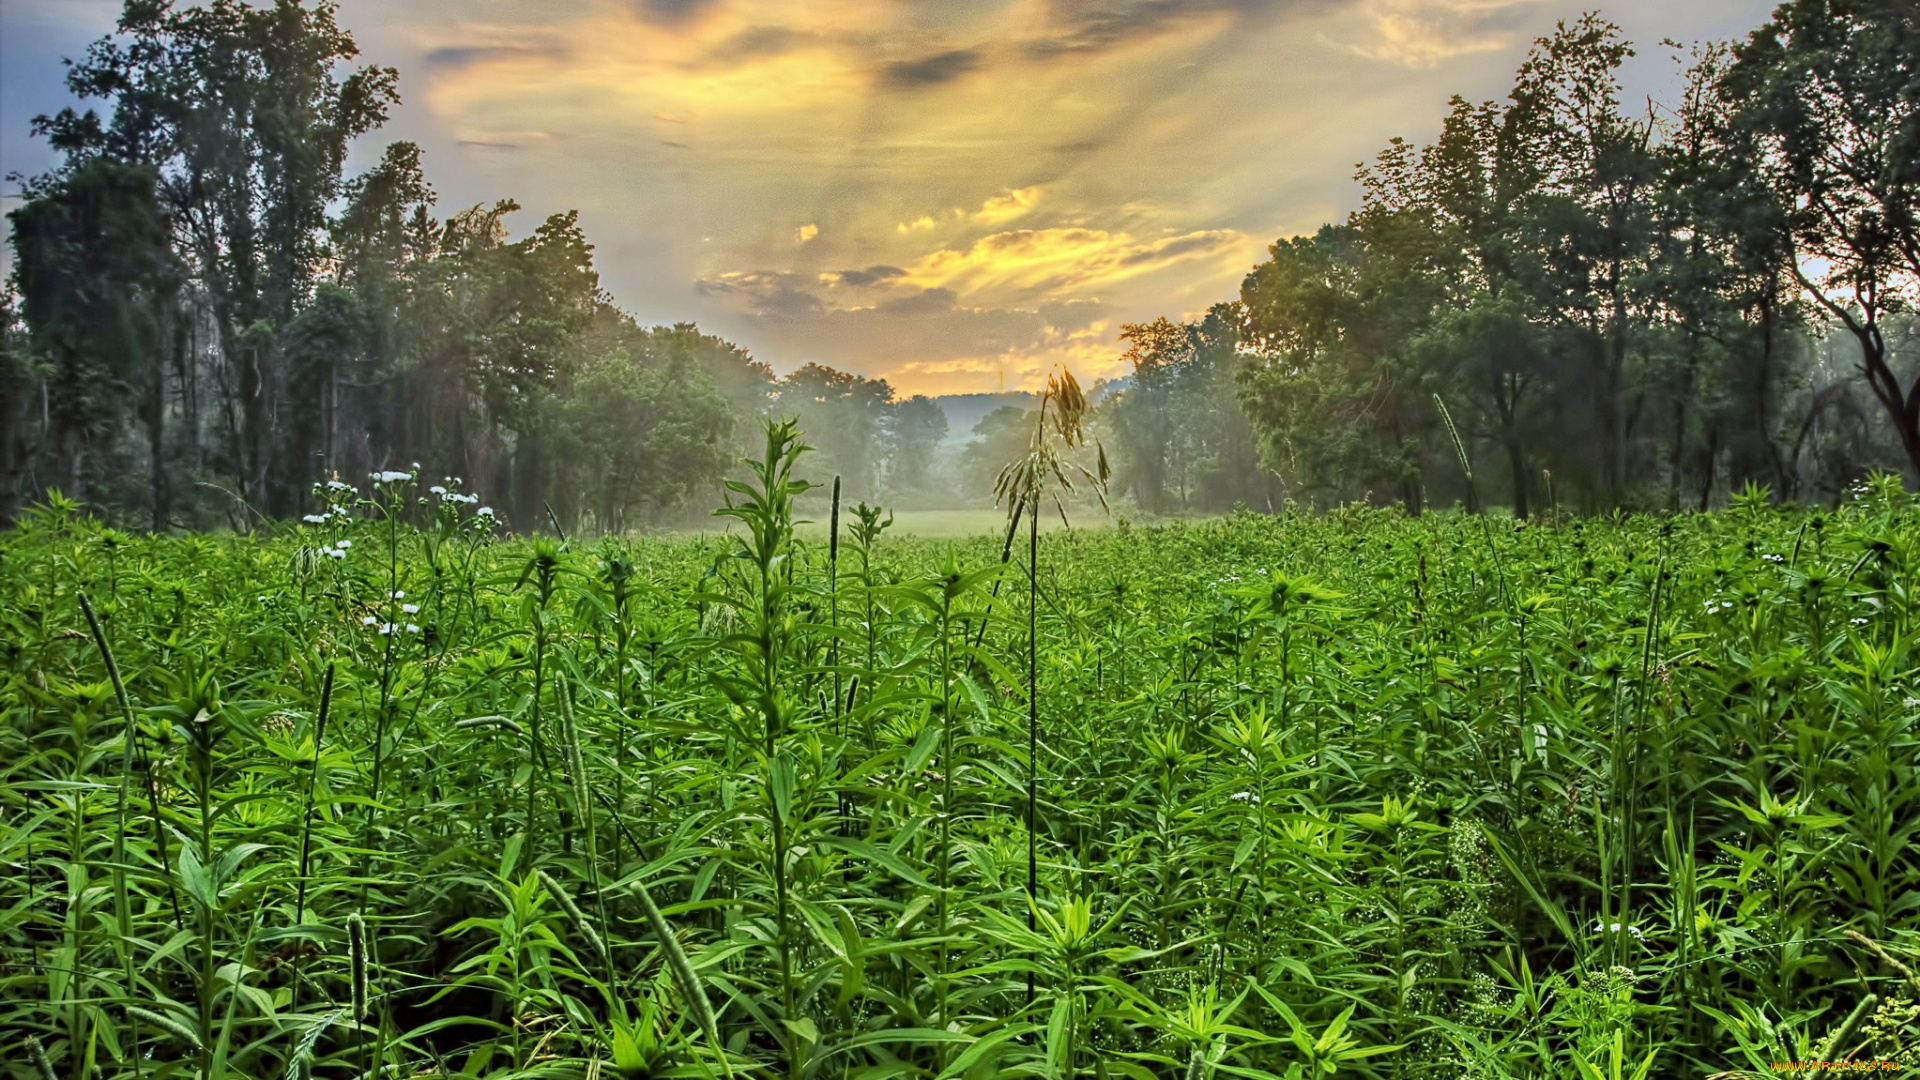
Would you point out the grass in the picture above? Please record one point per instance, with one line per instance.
(1344, 796)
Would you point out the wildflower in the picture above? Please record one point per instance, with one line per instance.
(1858, 622)
(343, 544)
(399, 594)
(391, 477)
(413, 628)
(411, 609)
(1774, 558)
(1616, 927)
(336, 485)
(386, 628)
(314, 519)
(333, 553)
(438, 490)
(1244, 796)
(485, 511)
(367, 620)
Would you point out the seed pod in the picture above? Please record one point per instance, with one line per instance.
(39, 1055)
(490, 721)
(357, 956)
(579, 917)
(682, 968)
(1837, 1045)
(167, 1024)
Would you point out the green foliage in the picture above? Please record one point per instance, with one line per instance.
(1354, 796)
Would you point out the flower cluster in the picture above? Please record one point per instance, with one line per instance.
(381, 479)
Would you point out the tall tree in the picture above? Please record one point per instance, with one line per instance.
(97, 282)
(247, 114)
(1827, 106)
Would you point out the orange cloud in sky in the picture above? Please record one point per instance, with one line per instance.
(938, 193)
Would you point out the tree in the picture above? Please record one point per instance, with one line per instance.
(840, 414)
(1330, 388)
(97, 279)
(652, 433)
(245, 115)
(1826, 98)
(911, 431)
(1181, 434)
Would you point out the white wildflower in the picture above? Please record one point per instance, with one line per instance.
(314, 519)
(343, 544)
(367, 620)
(437, 489)
(411, 609)
(413, 628)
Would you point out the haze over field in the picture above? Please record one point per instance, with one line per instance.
(952, 197)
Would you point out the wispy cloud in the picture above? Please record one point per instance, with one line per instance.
(916, 188)
(1422, 33)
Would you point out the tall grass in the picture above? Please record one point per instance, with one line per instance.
(1345, 796)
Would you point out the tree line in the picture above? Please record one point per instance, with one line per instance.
(1613, 306)
(208, 316)
(1564, 300)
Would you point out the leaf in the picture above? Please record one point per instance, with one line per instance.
(804, 1028)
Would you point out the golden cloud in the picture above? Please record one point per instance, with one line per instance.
(1004, 208)
(1421, 33)
(1073, 261)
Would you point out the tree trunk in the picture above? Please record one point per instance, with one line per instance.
(154, 414)
(1517, 464)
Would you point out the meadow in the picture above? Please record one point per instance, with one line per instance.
(386, 793)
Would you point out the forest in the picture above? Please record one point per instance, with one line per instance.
(1619, 305)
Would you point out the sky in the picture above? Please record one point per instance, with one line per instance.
(951, 196)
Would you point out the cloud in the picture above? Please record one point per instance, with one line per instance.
(1087, 26)
(924, 302)
(1004, 208)
(931, 70)
(460, 56)
(1422, 33)
(860, 279)
(671, 12)
(805, 233)
(769, 294)
(930, 335)
(920, 224)
(757, 41)
(1060, 261)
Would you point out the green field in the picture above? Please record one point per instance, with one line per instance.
(1357, 795)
